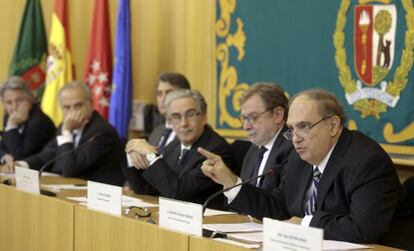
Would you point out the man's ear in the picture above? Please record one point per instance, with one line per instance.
(335, 125)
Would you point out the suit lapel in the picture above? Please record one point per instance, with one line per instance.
(248, 168)
(193, 156)
(334, 165)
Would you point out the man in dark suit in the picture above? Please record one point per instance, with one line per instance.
(176, 173)
(338, 180)
(86, 146)
(263, 115)
(26, 128)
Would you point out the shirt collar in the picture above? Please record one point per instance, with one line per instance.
(269, 144)
(322, 165)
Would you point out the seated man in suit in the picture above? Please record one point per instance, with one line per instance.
(263, 115)
(86, 146)
(163, 133)
(338, 180)
(177, 173)
(26, 128)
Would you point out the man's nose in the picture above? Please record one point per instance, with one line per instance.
(247, 125)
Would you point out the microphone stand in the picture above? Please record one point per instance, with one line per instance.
(270, 172)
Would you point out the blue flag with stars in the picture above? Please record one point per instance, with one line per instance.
(121, 99)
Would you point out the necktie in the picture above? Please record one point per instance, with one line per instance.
(74, 135)
(163, 140)
(257, 163)
(181, 158)
(311, 204)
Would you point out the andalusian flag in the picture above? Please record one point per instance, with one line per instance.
(59, 62)
(31, 48)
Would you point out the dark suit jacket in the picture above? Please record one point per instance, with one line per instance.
(155, 136)
(152, 118)
(186, 182)
(358, 192)
(98, 156)
(278, 156)
(37, 131)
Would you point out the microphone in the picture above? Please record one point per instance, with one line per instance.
(47, 164)
(272, 171)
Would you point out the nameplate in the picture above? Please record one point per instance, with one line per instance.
(279, 235)
(27, 180)
(180, 215)
(104, 197)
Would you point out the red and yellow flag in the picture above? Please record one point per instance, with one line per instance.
(59, 62)
(98, 67)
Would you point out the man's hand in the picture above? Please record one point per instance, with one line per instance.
(140, 146)
(138, 160)
(216, 169)
(20, 115)
(7, 168)
(8, 159)
(76, 119)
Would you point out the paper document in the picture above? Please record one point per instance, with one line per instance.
(240, 244)
(58, 187)
(50, 174)
(341, 245)
(234, 228)
(127, 201)
(213, 212)
(250, 236)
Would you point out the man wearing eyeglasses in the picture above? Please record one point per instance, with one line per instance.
(338, 180)
(263, 116)
(177, 173)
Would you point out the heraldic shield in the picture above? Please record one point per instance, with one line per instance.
(374, 40)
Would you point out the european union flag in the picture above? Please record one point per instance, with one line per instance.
(120, 105)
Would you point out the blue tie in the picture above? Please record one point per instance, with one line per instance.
(257, 163)
(164, 139)
(311, 204)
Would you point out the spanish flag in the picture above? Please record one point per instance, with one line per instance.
(59, 62)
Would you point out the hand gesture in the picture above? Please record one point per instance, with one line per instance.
(20, 115)
(215, 168)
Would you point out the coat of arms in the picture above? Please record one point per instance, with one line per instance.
(378, 83)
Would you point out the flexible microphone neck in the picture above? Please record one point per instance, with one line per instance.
(213, 196)
(47, 164)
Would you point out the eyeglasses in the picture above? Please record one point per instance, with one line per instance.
(252, 118)
(136, 212)
(176, 118)
(303, 130)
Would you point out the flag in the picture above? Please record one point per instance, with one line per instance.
(30, 53)
(59, 62)
(120, 108)
(98, 67)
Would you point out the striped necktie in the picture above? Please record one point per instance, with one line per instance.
(166, 133)
(311, 204)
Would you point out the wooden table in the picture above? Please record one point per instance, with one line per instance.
(37, 222)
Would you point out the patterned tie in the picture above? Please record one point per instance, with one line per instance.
(163, 140)
(257, 163)
(311, 204)
(182, 156)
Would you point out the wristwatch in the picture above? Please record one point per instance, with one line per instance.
(151, 157)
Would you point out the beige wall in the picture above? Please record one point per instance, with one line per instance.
(167, 35)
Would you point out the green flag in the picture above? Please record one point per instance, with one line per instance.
(31, 48)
